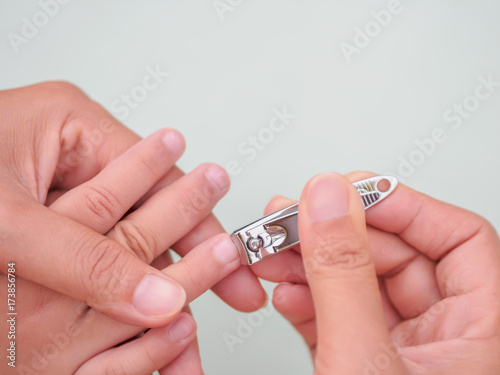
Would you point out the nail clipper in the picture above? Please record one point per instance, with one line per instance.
(279, 231)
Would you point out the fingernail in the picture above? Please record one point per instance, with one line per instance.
(225, 251)
(182, 328)
(157, 296)
(328, 198)
(218, 177)
(174, 143)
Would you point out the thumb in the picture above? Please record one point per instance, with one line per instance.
(339, 267)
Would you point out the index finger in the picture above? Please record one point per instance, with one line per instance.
(464, 245)
(429, 225)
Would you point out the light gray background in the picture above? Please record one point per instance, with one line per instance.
(228, 74)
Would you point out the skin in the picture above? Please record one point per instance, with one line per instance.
(62, 157)
(408, 294)
(412, 291)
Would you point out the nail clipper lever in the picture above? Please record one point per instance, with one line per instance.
(279, 231)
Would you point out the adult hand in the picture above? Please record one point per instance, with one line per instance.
(415, 291)
(58, 335)
(72, 337)
(53, 139)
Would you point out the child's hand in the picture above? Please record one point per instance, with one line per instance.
(414, 292)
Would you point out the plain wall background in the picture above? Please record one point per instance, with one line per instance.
(227, 75)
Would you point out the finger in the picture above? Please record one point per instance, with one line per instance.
(90, 138)
(444, 233)
(342, 277)
(402, 265)
(188, 362)
(173, 175)
(392, 256)
(171, 213)
(415, 217)
(204, 266)
(421, 275)
(459, 357)
(391, 315)
(54, 195)
(248, 298)
(241, 289)
(102, 201)
(253, 295)
(154, 350)
(73, 134)
(294, 302)
(390, 253)
(162, 261)
(296, 305)
(285, 267)
(72, 259)
(278, 202)
(189, 359)
(85, 137)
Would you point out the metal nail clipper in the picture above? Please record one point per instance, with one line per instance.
(279, 231)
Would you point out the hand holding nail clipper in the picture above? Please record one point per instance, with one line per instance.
(409, 288)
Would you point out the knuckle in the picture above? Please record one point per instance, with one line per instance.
(152, 362)
(60, 92)
(486, 229)
(101, 202)
(280, 298)
(14, 210)
(145, 163)
(337, 251)
(190, 204)
(138, 239)
(115, 368)
(149, 164)
(197, 283)
(100, 278)
(483, 223)
(60, 88)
